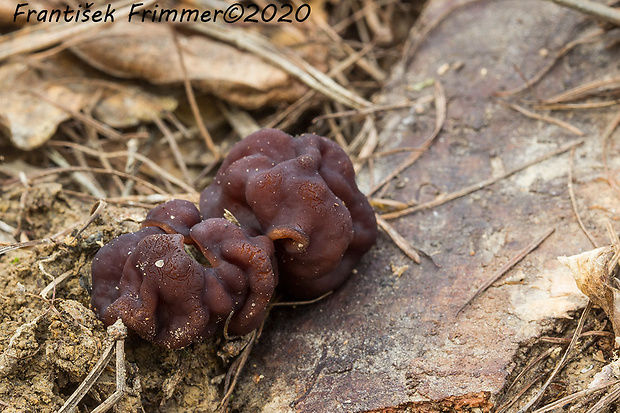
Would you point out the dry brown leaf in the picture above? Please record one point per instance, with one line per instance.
(590, 270)
(130, 106)
(27, 121)
(148, 51)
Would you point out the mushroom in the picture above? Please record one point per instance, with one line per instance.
(299, 213)
(169, 298)
(301, 193)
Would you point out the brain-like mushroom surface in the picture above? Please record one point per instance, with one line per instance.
(300, 216)
(148, 280)
(301, 193)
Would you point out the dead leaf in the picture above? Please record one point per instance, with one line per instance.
(148, 51)
(590, 270)
(29, 121)
(130, 106)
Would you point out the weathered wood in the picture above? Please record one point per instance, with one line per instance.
(385, 340)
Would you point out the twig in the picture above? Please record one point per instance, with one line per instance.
(55, 282)
(95, 211)
(473, 188)
(573, 202)
(530, 365)
(52, 171)
(586, 89)
(542, 72)
(235, 371)
(294, 303)
(121, 385)
(367, 111)
(116, 335)
(548, 119)
(102, 128)
(606, 400)
(286, 61)
(575, 396)
(440, 108)
(562, 361)
(399, 240)
(191, 98)
(33, 243)
(513, 261)
(148, 162)
(600, 11)
(87, 182)
(174, 147)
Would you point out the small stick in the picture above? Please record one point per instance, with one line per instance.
(573, 202)
(116, 333)
(293, 303)
(600, 11)
(572, 397)
(121, 385)
(191, 98)
(475, 187)
(562, 362)
(606, 400)
(544, 118)
(440, 108)
(513, 261)
(236, 367)
(399, 240)
(541, 73)
(174, 147)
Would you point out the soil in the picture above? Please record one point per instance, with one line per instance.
(49, 345)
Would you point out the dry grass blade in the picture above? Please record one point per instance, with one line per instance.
(399, 240)
(544, 118)
(541, 73)
(532, 363)
(573, 201)
(116, 333)
(513, 261)
(191, 98)
(600, 11)
(87, 183)
(286, 61)
(174, 147)
(609, 130)
(440, 108)
(102, 128)
(55, 282)
(586, 89)
(606, 401)
(573, 397)
(367, 111)
(151, 164)
(52, 171)
(562, 361)
(576, 106)
(468, 190)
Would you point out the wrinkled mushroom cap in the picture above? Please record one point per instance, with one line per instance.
(301, 193)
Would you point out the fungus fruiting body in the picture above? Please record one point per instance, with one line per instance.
(302, 226)
(301, 193)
